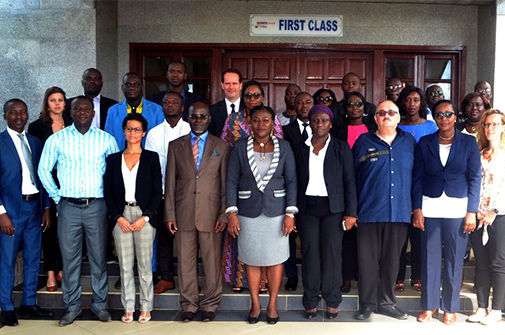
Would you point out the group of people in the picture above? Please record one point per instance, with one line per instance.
(239, 182)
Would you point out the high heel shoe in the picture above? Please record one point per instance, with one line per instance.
(272, 321)
(253, 319)
(127, 317)
(311, 313)
(400, 286)
(144, 318)
(331, 313)
(426, 316)
(52, 288)
(449, 318)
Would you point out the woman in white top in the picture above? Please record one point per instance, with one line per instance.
(132, 191)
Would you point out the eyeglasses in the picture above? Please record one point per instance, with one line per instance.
(327, 99)
(447, 115)
(352, 104)
(388, 112)
(493, 125)
(483, 90)
(135, 130)
(433, 93)
(198, 116)
(393, 87)
(248, 96)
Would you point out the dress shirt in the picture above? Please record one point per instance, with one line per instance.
(201, 146)
(384, 177)
(309, 130)
(129, 179)
(81, 162)
(159, 138)
(96, 107)
(26, 187)
(228, 105)
(317, 185)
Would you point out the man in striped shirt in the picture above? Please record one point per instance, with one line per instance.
(79, 152)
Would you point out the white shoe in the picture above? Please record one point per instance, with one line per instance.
(493, 317)
(479, 314)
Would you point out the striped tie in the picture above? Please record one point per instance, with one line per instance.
(28, 158)
(195, 150)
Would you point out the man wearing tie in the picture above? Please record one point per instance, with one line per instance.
(231, 83)
(296, 133)
(24, 205)
(195, 190)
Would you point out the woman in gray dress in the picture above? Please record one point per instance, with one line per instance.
(261, 204)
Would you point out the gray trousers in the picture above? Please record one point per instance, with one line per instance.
(76, 222)
(129, 245)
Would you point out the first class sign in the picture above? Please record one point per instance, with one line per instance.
(297, 25)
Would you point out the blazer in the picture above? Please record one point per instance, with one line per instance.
(105, 104)
(189, 99)
(11, 177)
(147, 186)
(219, 115)
(459, 178)
(292, 134)
(195, 199)
(338, 172)
(42, 131)
(114, 124)
(242, 190)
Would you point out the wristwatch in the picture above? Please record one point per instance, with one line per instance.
(495, 210)
(146, 219)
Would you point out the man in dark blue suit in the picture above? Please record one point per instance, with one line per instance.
(231, 83)
(24, 204)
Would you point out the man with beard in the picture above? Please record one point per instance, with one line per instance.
(289, 115)
(158, 140)
(176, 76)
(92, 83)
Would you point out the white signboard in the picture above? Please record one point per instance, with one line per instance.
(297, 25)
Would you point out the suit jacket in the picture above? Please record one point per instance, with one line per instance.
(114, 124)
(189, 99)
(292, 134)
(459, 178)
(195, 199)
(242, 190)
(105, 104)
(147, 186)
(11, 177)
(338, 176)
(219, 115)
(42, 131)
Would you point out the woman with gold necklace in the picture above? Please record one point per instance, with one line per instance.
(51, 120)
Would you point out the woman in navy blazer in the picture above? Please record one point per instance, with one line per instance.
(445, 196)
(132, 191)
(327, 200)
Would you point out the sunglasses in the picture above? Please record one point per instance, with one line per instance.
(388, 112)
(198, 116)
(135, 130)
(352, 104)
(327, 99)
(249, 95)
(447, 115)
(393, 87)
(433, 93)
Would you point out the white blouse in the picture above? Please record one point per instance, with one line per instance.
(129, 179)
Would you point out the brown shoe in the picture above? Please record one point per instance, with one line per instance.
(163, 286)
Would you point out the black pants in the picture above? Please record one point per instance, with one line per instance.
(379, 247)
(50, 244)
(165, 246)
(290, 265)
(350, 255)
(414, 235)
(490, 264)
(321, 242)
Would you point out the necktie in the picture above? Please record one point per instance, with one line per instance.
(195, 150)
(305, 135)
(28, 157)
(232, 108)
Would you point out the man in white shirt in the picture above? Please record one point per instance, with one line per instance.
(158, 141)
(231, 83)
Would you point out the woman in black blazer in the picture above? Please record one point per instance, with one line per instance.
(327, 201)
(132, 191)
(51, 120)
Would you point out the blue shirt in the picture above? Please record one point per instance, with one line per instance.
(384, 177)
(201, 146)
(81, 162)
(419, 130)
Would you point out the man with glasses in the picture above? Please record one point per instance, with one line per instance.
(434, 93)
(484, 87)
(134, 102)
(393, 88)
(195, 190)
(383, 163)
(80, 151)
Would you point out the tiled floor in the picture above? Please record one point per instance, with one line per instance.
(292, 323)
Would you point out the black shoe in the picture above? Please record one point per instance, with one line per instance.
(34, 311)
(208, 316)
(187, 317)
(393, 312)
(101, 315)
(291, 284)
(311, 313)
(253, 319)
(8, 318)
(69, 318)
(331, 315)
(346, 286)
(272, 321)
(117, 284)
(363, 313)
